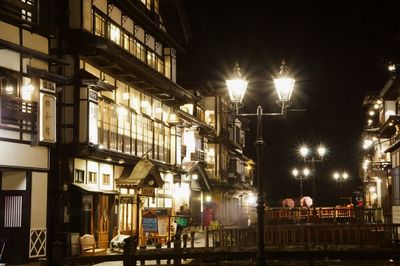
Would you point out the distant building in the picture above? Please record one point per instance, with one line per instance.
(380, 169)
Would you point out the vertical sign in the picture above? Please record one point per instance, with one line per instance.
(47, 118)
(93, 116)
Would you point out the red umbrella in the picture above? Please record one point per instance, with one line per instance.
(306, 201)
(288, 203)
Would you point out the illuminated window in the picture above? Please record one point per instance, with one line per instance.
(106, 179)
(146, 105)
(99, 25)
(157, 109)
(140, 52)
(139, 136)
(200, 114)
(92, 178)
(159, 142)
(113, 126)
(210, 118)
(167, 66)
(26, 14)
(115, 34)
(167, 145)
(160, 65)
(151, 59)
(187, 108)
(127, 42)
(79, 176)
(134, 133)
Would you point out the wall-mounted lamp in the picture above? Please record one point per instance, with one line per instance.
(27, 91)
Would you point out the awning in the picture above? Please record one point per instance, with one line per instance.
(87, 79)
(144, 174)
(93, 190)
(41, 73)
(195, 167)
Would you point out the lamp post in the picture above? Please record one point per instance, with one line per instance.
(308, 157)
(237, 87)
(341, 177)
(301, 176)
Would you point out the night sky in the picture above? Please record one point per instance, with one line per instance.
(335, 49)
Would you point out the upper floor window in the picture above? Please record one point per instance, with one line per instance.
(27, 11)
(187, 108)
(106, 179)
(210, 118)
(115, 34)
(92, 178)
(99, 25)
(79, 176)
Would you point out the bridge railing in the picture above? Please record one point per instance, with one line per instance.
(326, 215)
(356, 234)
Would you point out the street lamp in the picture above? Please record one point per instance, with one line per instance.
(309, 157)
(301, 176)
(237, 87)
(340, 177)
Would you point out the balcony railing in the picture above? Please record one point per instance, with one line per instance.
(17, 114)
(104, 27)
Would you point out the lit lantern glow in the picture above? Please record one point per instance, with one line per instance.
(295, 172)
(321, 151)
(284, 84)
(306, 172)
(304, 151)
(26, 92)
(9, 90)
(237, 86)
(173, 119)
(336, 176)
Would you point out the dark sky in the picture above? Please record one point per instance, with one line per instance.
(334, 49)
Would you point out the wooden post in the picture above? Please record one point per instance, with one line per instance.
(192, 234)
(207, 240)
(129, 251)
(142, 262)
(158, 246)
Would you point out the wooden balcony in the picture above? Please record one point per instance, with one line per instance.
(18, 115)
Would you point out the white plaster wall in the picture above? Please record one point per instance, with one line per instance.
(39, 200)
(24, 155)
(15, 180)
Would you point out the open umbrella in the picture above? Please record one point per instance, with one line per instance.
(288, 203)
(306, 201)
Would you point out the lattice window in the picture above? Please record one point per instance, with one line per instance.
(37, 245)
(13, 211)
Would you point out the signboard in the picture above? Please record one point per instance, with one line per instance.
(162, 225)
(47, 86)
(148, 191)
(150, 224)
(93, 117)
(47, 130)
